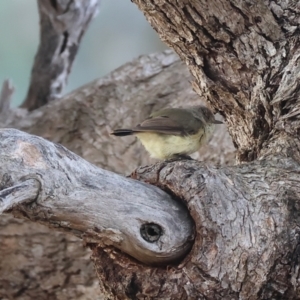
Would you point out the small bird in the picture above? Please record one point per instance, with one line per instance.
(174, 133)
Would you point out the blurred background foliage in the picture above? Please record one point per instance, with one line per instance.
(118, 34)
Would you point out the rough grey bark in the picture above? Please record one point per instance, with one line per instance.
(37, 263)
(247, 223)
(247, 239)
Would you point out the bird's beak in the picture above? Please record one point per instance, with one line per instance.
(218, 122)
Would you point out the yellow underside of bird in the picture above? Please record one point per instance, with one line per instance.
(165, 146)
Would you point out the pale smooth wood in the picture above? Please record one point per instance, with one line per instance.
(89, 202)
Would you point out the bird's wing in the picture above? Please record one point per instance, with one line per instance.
(161, 124)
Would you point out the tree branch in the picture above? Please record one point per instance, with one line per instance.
(62, 25)
(101, 206)
(121, 99)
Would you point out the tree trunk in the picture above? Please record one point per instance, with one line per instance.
(244, 57)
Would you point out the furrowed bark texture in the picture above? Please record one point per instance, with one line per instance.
(62, 24)
(248, 237)
(37, 263)
(244, 56)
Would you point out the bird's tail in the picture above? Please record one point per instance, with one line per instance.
(122, 132)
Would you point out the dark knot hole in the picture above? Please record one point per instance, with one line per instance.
(151, 232)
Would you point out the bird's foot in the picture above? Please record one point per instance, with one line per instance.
(179, 157)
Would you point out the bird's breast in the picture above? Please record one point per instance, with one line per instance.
(164, 146)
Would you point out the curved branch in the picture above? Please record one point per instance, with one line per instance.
(62, 25)
(98, 205)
